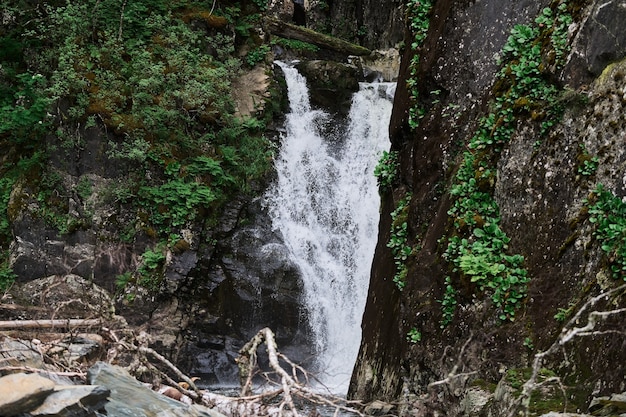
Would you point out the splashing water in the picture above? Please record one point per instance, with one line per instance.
(325, 203)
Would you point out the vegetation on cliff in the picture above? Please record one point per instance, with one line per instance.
(152, 82)
(507, 140)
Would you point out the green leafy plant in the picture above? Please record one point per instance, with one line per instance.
(295, 44)
(479, 248)
(23, 113)
(386, 171)
(414, 336)
(608, 213)
(398, 241)
(151, 269)
(528, 343)
(7, 276)
(448, 303)
(261, 4)
(418, 16)
(257, 55)
(123, 280)
(564, 313)
(587, 164)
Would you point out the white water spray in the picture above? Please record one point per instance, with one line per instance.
(325, 203)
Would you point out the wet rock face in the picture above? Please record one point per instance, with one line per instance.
(601, 39)
(541, 188)
(331, 84)
(373, 24)
(252, 283)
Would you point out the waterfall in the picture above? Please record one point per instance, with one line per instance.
(325, 203)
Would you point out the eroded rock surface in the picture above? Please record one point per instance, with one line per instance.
(478, 364)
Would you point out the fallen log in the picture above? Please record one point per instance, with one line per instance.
(48, 324)
(289, 31)
(16, 307)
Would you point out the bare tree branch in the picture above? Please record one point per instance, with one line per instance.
(569, 332)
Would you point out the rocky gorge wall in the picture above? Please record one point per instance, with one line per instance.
(444, 342)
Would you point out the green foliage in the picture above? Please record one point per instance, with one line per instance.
(398, 241)
(261, 4)
(528, 343)
(84, 188)
(257, 55)
(295, 45)
(418, 16)
(159, 86)
(151, 269)
(587, 165)
(176, 202)
(123, 280)
(23, 110)
(414, 336)
(149, 275)
(564, 313)
(448, 303)
(6, 186)
(386, 171)
(608, 214)
(478, 250)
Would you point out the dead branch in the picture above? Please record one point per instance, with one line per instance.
(80, 375)
(119, 35)
(16, 307)
(124, 345)
(193, 394)
(290, 388)
(453, 373)
(568, 333)
(47, 324)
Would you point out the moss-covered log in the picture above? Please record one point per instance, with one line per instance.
(289, 31)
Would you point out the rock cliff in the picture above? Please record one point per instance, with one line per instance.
(509, 294)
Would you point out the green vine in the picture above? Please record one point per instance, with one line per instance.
(448, 303)
(398, 241)
(418, 15)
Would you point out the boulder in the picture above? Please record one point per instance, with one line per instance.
(78, 348)
(20, 353)
(129, 398)
(331, 84)
(73, 401)
(20, 393)
(67, 296)
(609, 405)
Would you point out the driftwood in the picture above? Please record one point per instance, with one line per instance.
(48, 324)
(289, 31)
(288, 389)
(16, 307)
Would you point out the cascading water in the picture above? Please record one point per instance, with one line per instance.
(325, 203)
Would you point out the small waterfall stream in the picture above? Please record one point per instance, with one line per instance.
(325, 203)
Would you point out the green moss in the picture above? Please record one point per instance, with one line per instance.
(484, 385)
(543, 403)
(609, 73)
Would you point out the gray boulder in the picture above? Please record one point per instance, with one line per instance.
(129, 398)
(73, 401)
(20, 393)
